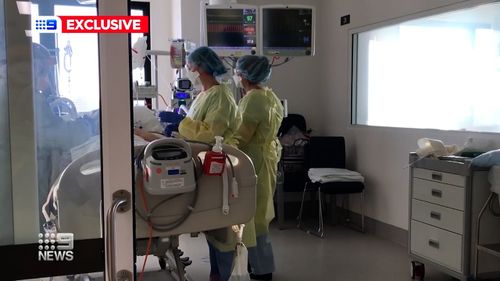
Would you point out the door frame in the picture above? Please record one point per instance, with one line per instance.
(116, 135)
(21, 258)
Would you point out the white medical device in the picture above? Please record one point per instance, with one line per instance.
(168, 167)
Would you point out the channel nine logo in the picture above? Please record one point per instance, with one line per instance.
(55, 247)
(90, 24)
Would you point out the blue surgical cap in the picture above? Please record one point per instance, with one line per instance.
(207, 60)
(255, 69)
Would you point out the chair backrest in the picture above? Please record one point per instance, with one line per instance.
(291, 120)
(325, 152)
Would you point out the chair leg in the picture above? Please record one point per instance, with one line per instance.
(281, 205)
(320, 232)
(320, 203)
(347, 213)
(299, 223)
(363, 211)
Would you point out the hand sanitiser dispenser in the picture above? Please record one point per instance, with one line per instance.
(215, 160)
(168, 167)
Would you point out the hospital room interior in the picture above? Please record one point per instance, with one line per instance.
(286, 140)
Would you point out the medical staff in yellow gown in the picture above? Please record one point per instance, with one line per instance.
(213, 113)
(261, 115)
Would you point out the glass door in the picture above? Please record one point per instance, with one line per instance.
(65, 146)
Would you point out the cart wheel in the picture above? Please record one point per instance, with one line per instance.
(163, 263)
(417, 270)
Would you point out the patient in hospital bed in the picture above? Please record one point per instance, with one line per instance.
(75, 203)
(147, 128)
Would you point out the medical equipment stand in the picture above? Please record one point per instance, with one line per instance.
(492, 249)
(151, 91)
(167, 249)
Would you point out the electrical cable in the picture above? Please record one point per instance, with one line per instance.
(163, 99)
(150, 214)
(176, 223)
(148, 217)
(287, 59)
(150, 227)
(230, 164)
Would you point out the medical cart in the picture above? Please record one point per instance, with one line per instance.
(446, 198)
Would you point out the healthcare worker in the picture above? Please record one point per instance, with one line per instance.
(54, 135)
(261, 115)
(213, 113)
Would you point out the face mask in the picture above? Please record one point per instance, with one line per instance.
(237, 81)
(194, 77)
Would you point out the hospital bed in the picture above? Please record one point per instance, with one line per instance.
(74, 204)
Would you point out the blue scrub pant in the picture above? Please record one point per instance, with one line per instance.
(261, 257)
(221, 264)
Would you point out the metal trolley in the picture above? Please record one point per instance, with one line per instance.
(446, 208)
(491, 247)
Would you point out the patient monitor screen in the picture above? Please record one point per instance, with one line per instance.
(287, 30)
(231, 28)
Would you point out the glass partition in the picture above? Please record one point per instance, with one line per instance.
(50, 177)
(6, 231)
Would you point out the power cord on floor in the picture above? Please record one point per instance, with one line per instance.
(150, 226)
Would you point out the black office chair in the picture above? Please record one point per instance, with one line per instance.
(328, 152)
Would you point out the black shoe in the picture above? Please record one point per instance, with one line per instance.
(263, 277)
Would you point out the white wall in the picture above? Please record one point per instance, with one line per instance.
(381, 154)
(298, 81)
(160, 33)
(165, 25)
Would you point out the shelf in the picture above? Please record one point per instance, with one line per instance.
(493, 249)
(146, 92)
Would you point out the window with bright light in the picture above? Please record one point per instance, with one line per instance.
(438, 72)
(78, 62)
(138, 74)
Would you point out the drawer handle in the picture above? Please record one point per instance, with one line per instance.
(436, 215)
(437, 193)
(434, 243)
(438, 177)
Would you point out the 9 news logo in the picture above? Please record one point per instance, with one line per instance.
(50, 24)
(90, 24)
(46, 24)
(55, 247)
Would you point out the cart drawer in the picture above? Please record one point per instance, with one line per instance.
(442, 217)
(438, 193)
(437, 176)
(440, 246)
